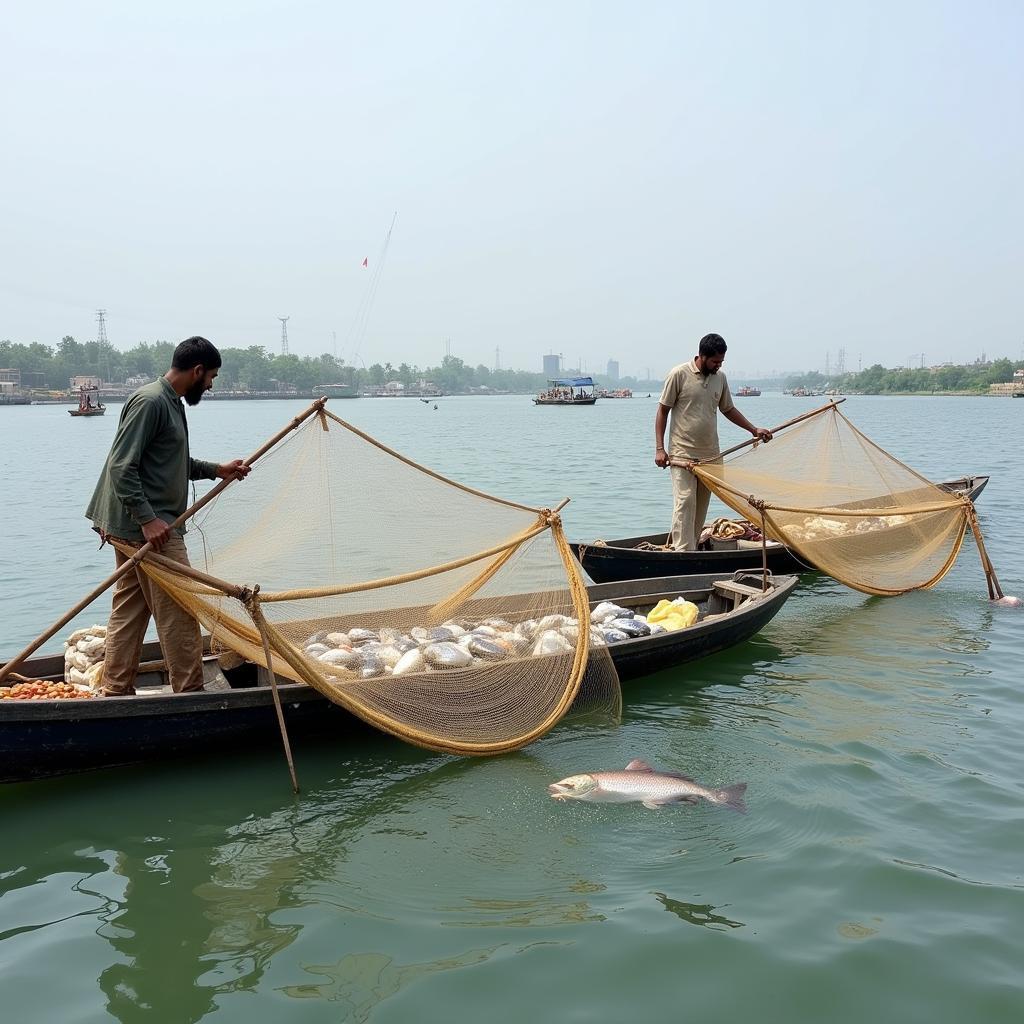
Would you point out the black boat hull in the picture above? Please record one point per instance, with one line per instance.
(55, 737)
(616, 560)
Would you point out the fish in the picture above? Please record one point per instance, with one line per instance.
(640, 782)
(631, 627)
(411, 661)
(484, 648)
(446, 655)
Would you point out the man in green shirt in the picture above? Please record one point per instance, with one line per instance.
(694, 394)
(143, 488)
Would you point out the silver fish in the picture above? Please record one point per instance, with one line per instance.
(631, 627)
(436, 633)
(446, 655)
(411, 661)
(485, 648)
(640, 782)
(361, 636)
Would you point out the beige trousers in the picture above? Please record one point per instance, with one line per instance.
(136, 598)
(690, 501)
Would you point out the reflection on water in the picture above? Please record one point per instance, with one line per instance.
(701, 914)
(359, 982)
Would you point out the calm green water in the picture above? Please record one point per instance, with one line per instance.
(878, 874)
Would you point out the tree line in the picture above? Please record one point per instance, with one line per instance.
(877, 380)
(46, 367)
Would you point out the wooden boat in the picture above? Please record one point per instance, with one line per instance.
(568, 391)
(40, 738)
(634, 558)
(85, 403)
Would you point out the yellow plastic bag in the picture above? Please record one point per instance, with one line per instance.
(673, 615)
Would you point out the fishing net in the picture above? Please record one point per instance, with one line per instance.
(845, 506)
(437, 613)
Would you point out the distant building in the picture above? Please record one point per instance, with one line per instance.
(10, 380)
(552, 366)
(613, 369)
(85, 381)
(138, 380)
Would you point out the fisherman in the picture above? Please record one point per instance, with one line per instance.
(143, 488)
(694, 393)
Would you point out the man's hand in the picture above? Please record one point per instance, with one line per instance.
(661, 458)
(156, 532)
(762, 433)
(234, 470)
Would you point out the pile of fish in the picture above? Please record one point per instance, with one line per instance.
(464, 643)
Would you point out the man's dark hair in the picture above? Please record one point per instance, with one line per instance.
(710, 345)
(195, 351)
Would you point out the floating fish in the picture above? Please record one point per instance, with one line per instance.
(640, 782)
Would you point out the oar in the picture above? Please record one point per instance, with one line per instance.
(141, 553)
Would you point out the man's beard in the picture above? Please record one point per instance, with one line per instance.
(195, 393)
(706, 372)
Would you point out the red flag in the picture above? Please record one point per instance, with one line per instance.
(365, 258)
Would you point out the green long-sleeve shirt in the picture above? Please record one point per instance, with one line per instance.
(147, 472)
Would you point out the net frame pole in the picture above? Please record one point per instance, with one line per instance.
(687, 463)
(146, 548)
(253, 607)
(995, 591)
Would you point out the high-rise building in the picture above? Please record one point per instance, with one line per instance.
(613, 369)
(552, 366)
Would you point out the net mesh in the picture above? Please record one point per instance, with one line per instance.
(442, 615)
(845, 506)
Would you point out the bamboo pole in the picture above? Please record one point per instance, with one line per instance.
(145, 549)
(261, 624)
(754, 440)
(995, 591)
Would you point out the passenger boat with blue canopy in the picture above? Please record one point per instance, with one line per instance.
(568, 391)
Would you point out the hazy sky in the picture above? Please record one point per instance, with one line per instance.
(597, 179)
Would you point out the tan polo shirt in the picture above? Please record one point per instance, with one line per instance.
(695, 401)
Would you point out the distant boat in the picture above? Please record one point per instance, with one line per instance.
(85, 403)
(568, 391)
(336, 390)
(748, 392)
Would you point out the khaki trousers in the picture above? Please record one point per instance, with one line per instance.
(690, 501)
(136, 598)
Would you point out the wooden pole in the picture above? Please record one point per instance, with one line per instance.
(754, 440)
(141, 553)
(995, 592)
(261, 624)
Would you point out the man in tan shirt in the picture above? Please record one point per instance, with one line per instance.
(694, 393)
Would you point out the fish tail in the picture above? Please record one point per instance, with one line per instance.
(732, 796)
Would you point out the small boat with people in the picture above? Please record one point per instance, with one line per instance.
(650, 555)
(46, 737)
(86, 406)
(568, 391)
